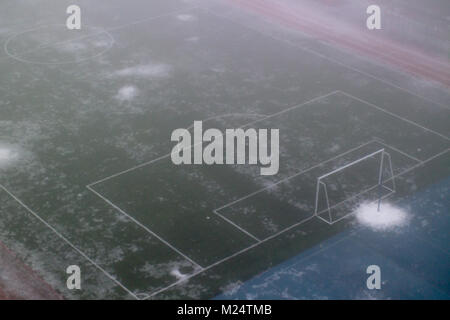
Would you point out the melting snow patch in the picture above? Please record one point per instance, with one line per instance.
(6, 154)
(231, 288)
(186, 17)
(177, 274)
(193, 39)
(146, 71)
(388, 217)
(127, 93)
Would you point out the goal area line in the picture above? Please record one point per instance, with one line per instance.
(217, 210)
(283, 231)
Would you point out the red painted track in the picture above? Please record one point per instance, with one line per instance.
(363, 42)
(18, 281)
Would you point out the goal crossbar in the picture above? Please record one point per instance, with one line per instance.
(352, 163)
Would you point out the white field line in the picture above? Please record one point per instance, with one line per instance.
(323, 56)
(237, 226)
(421, 163)
(106, 273)
(352, 197)
(21, 59)
(248, 196)
(397, 150)
(294, 175)
(355, 196)
(394, 115)
(349, 50)
(228, 220)
(145, 228)
(216, 210)
(193, 145)
(283, 40)
(105, 31)
(280, 233)
(231, 256)
(396, 176)
(90, 186)
(375, 140)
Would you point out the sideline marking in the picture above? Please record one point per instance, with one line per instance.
(202, 269)
(68, 242)
(323, 56)
(393, 114)
(145, 228)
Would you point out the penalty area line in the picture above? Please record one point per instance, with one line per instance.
(145, 228)
(193, 145)
(161, 290)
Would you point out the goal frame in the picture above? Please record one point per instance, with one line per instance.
(320, 183)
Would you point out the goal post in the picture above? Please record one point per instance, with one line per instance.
(324, 204)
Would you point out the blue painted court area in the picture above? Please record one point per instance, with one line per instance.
(414, 260)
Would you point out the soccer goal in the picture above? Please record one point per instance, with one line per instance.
(367, 179)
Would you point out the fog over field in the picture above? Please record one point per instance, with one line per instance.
(87, 173)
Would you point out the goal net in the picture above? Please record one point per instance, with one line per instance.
(339, 192)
